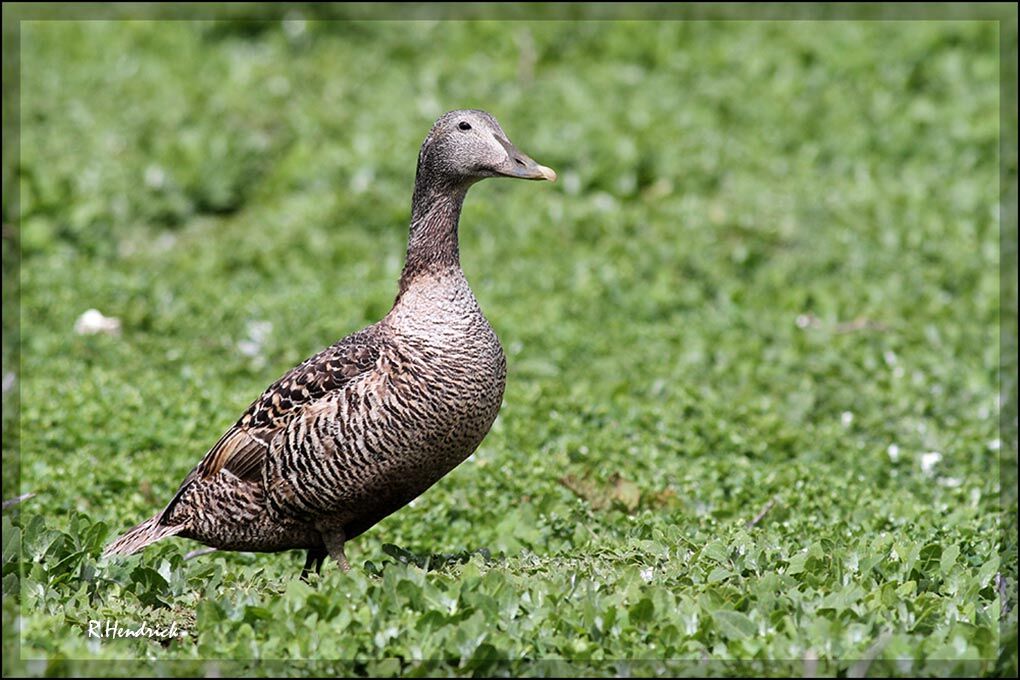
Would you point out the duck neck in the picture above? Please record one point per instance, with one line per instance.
(432, 244)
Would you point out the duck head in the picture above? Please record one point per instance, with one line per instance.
(468, 145)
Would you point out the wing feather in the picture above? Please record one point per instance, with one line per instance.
(243, 449)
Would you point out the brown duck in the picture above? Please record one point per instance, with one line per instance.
(365, 426)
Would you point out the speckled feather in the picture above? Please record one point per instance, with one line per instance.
(360, 429)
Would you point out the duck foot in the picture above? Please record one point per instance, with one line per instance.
(334, 540)
(315, 557)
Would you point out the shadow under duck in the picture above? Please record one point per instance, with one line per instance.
(362, 428)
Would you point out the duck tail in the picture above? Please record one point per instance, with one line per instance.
(144, 534)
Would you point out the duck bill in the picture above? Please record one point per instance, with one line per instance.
(521, 166)
(532, 170)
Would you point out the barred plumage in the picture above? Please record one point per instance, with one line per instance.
(365, 426)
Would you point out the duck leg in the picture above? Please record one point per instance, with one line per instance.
(334, 539)
(316, 556)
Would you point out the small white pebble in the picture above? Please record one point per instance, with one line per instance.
(894, 452)
(155, 177)
(249, 348)
(571, 182)
(92, 322)
(259, 330)
(294, 26)
(847, 418)
(604, 202)
(929, 461)
(362, 179)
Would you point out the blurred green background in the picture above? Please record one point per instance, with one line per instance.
(767, 281)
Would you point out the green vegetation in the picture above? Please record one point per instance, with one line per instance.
(752, 334)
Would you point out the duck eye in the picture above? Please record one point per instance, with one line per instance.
(464, 125)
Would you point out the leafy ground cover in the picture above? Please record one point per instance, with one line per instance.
(752, 418)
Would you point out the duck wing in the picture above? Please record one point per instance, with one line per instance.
(243, 449)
